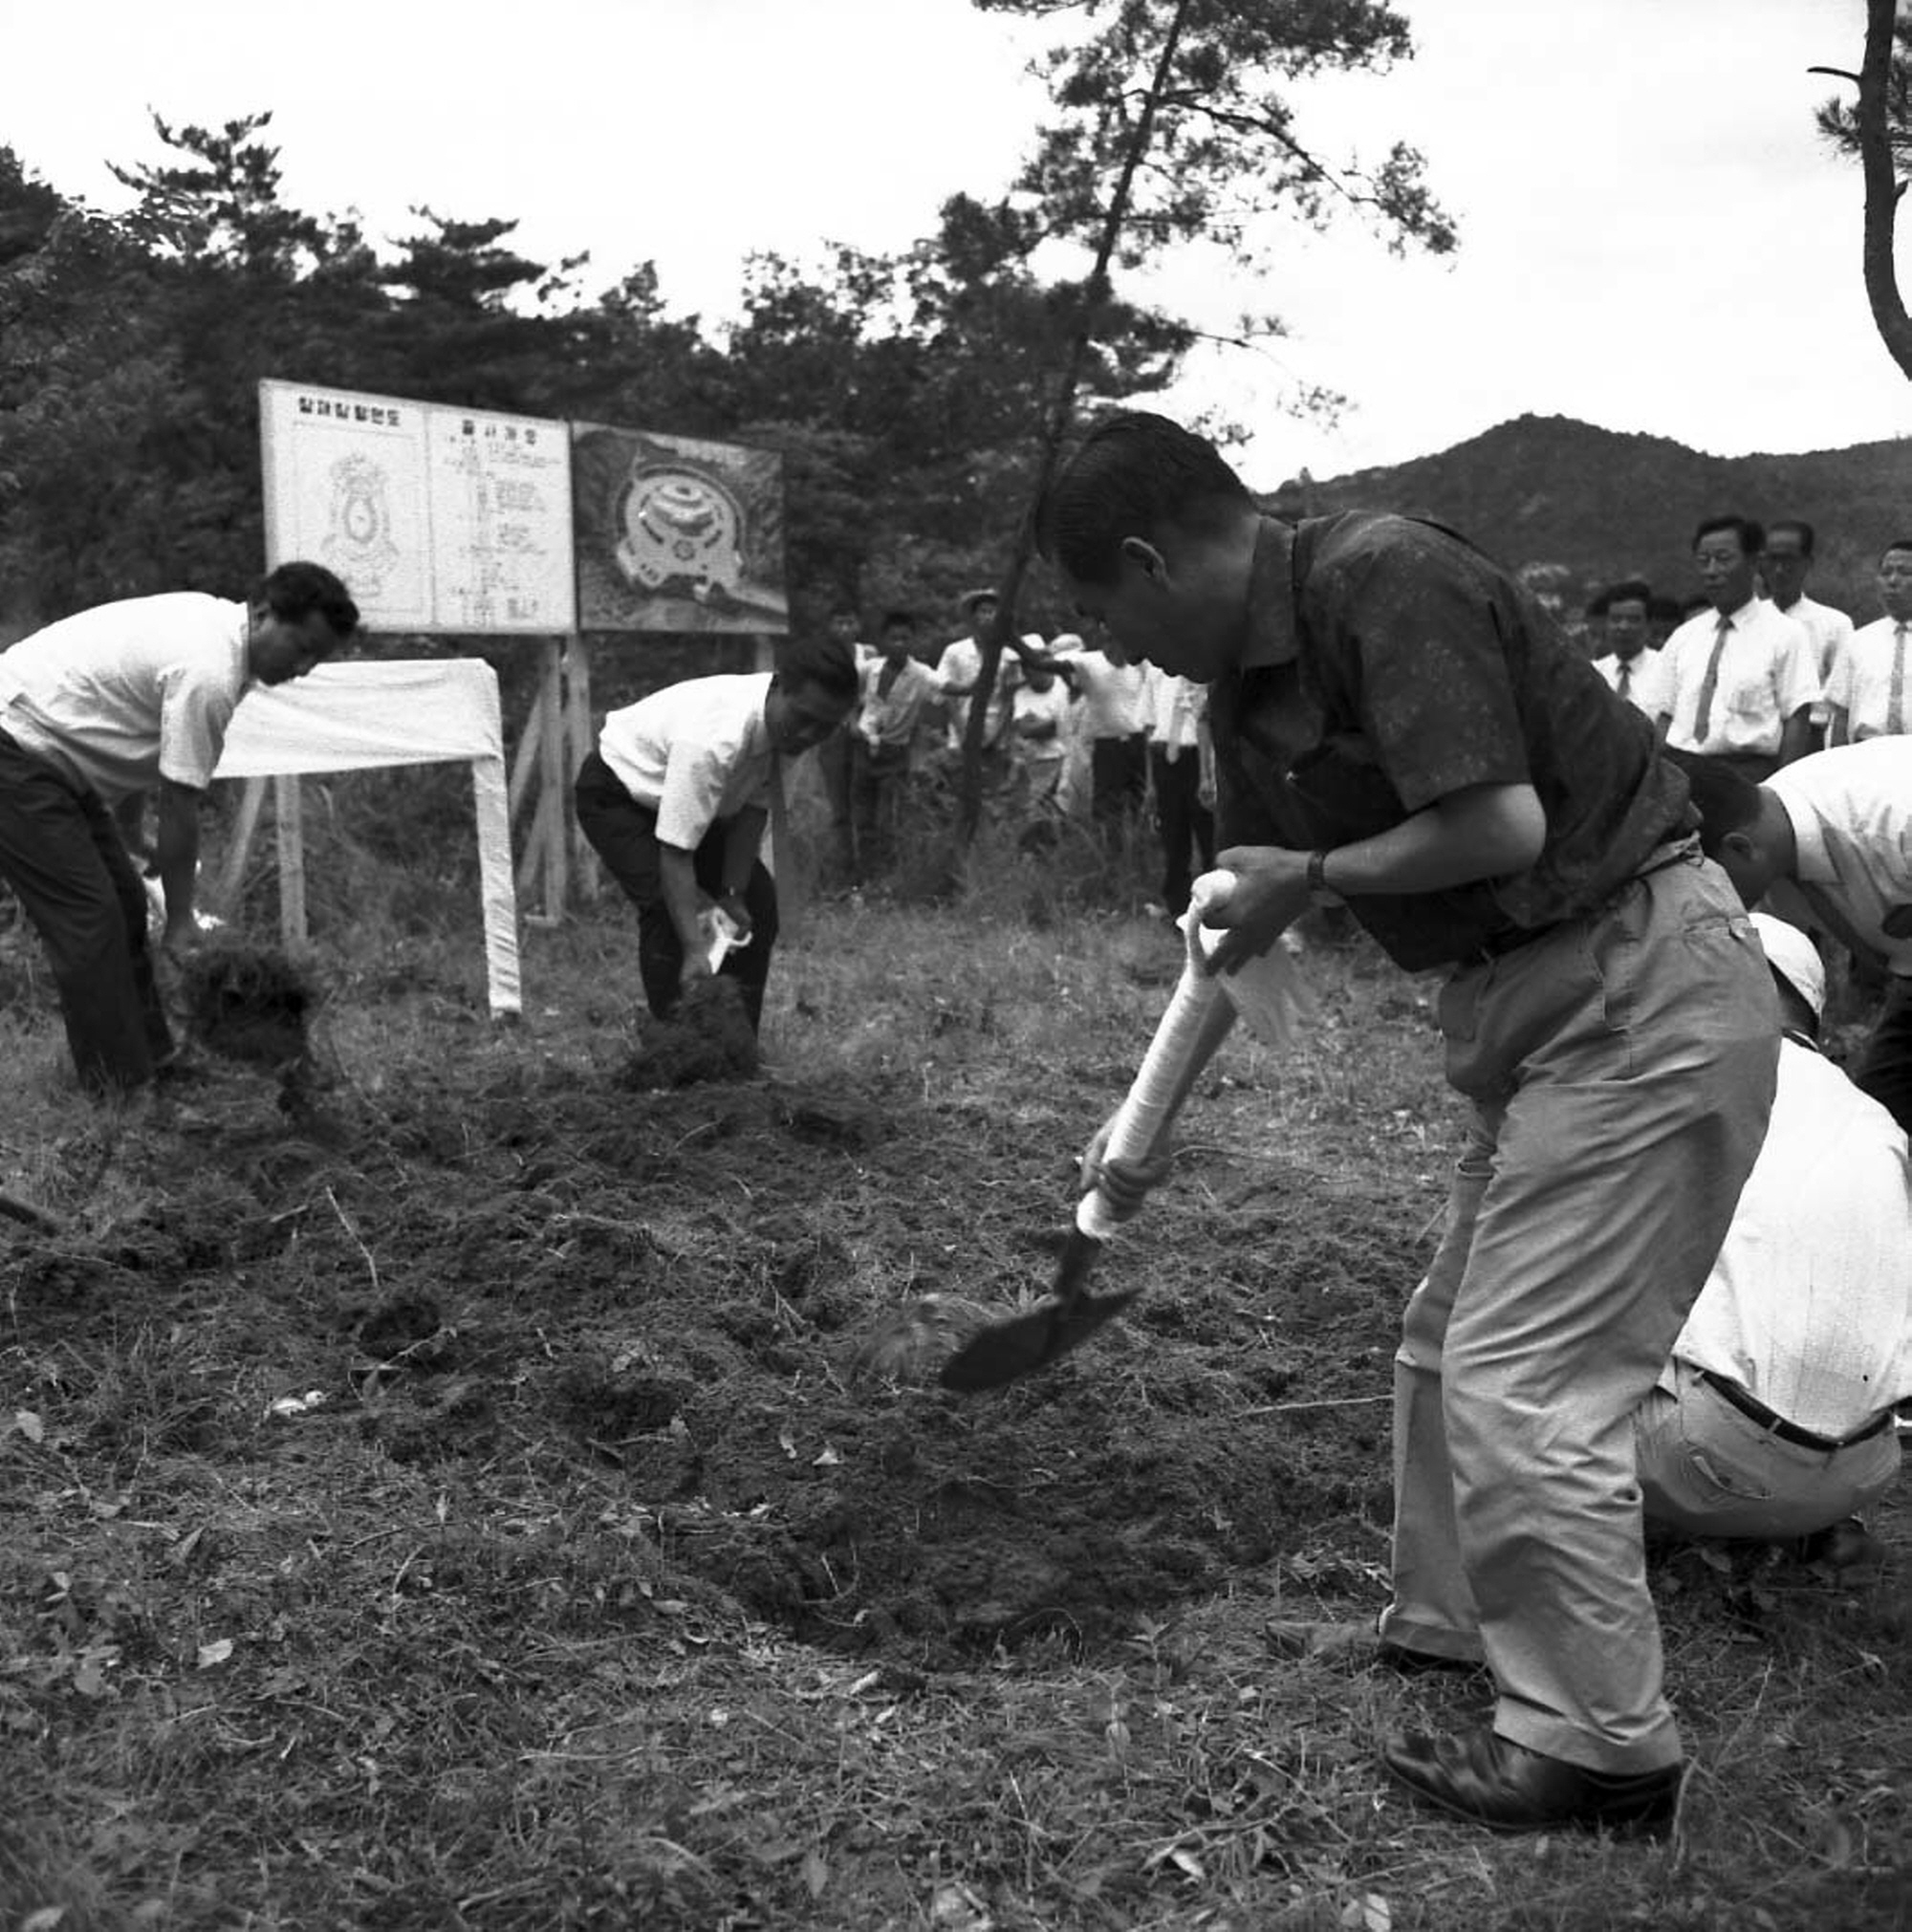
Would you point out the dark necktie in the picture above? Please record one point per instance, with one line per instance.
(1702, 712)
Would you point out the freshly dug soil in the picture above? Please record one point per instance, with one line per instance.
(691, 1295)
(249, 1002)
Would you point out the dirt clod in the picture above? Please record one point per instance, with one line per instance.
(710, 1037)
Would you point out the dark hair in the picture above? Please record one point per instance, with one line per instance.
(1596, 605)
(1747, 529)
(898, 619)
(294, 591)
(1133, 474)
(825, 663)
(1727, 800)
(1799, 528)
(1897, 543)
(1631, 590)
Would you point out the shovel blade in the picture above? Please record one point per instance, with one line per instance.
(1061, 1320)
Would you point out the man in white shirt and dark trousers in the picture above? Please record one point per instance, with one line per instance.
(1783, 564)
(1773, 1419)
(1116, 724)
(1740, 679)
(1867, 695)
(1176, 708)
(898, 691)
(675, 800)
(1830, 839)
(102, 707)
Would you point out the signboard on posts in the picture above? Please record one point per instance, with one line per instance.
(677, 534)
(437, 519)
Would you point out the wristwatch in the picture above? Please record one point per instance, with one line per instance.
(1319, 891)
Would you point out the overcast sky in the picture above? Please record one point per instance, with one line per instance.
(1652, 236)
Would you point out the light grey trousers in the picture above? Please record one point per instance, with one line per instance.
(1712, 1471)
(1622, 1069)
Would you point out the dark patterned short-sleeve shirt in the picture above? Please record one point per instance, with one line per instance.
(1389, 664)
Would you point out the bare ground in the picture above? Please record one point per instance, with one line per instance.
(488, 1490)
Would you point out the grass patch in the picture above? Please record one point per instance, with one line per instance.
(485, 1513)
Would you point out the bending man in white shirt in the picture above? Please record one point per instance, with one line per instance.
(1773, 1419)
(97, 708)
(1831, 838)
(675, 800)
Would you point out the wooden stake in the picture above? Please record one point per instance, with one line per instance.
(582, 741)
(556, 789)
(287, 805)
(232, 873)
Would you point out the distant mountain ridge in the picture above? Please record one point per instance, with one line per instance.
(1550, 489)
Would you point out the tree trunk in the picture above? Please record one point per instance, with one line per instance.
(1881, 189)
(970, 796)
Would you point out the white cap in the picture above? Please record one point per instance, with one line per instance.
(1794, 958)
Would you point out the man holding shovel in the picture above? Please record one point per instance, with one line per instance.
(1398, 726)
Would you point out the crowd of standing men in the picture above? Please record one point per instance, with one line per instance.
(1070, 732)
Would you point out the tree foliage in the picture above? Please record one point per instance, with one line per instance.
(898, 389)
(1170, 125)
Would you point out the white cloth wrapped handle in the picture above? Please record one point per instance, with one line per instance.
(1268, 990)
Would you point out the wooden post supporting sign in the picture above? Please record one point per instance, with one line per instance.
(554, 739)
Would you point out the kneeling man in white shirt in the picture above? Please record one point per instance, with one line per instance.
(1774, 1419)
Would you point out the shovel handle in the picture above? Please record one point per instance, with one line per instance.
(1149, 1103)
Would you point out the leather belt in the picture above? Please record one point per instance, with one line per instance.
(1756, 1411)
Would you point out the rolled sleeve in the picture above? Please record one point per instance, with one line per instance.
(194, 713)
(693, 795)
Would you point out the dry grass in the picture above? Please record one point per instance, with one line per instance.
(428, 1654)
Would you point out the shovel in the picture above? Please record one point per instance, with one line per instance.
(1069, 1315)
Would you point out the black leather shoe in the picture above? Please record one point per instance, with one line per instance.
(1405, 1663)
(1507, 1787)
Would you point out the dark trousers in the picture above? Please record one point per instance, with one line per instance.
(1118, 776)
(64, 858)
(1186, 823)
(623, 835)
(836, 761)
(1885, 1066)
(879, 791)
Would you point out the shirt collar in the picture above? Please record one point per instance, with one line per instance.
(1741, 618)
(1269, 631)
(1812, 865)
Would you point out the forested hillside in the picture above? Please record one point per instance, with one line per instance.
(1546, 489)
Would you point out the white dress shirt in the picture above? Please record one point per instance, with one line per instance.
(1113, 695)
(1766, 675)
(1645, 674)
(695, 752)
(892, 717)
(958, 667)
(1851, 810)
(1809, 1307)
(1829, 631)
(1174, 708)
(1861, 682)
(128, 693)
